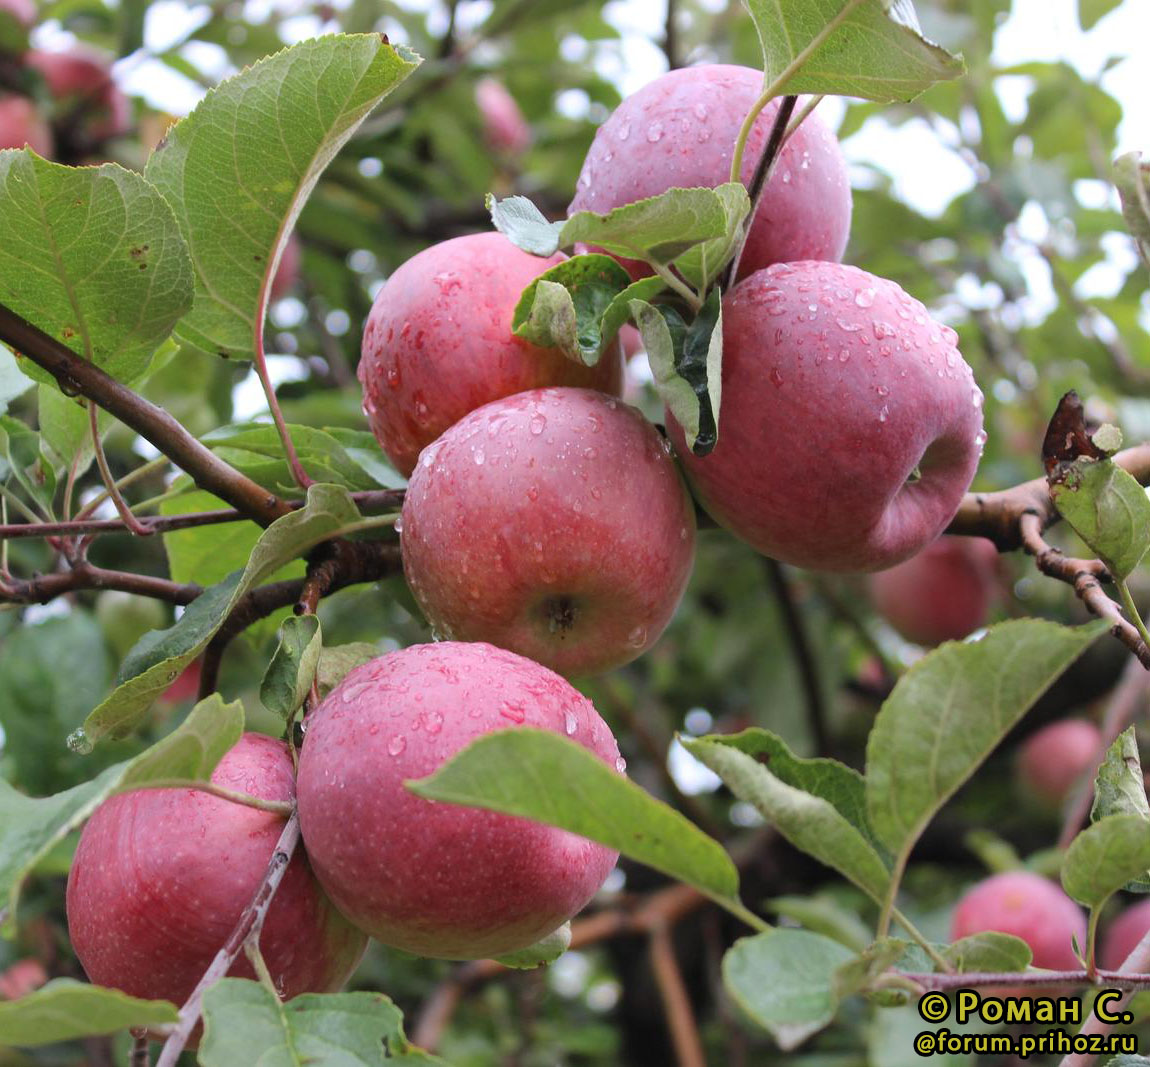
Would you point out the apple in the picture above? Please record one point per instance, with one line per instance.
(553, 523)
(1052, 761)
(287, 273)
(941, 594)
(86, 96)
(850, 424)
(1028, 906)
(21, 124)
(438, 343)
(631, 341)
(22, 11)
(161, 876)
(21, 978)
(680, 131)
(504, 128)
(1123, 935)
(438, 879)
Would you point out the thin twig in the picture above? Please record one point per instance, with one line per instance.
(1032, 979)
(679, 1015)
(141, 1057)
(46, 587)
(133, 525)
(250, 921)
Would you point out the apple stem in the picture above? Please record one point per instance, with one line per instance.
(249, 925)
(276, 807)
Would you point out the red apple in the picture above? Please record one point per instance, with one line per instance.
(81, 83)
(438, 343)
(21, 124)
(1123, 935)
(161, 876)
(23, 977)
(1054, 759)
(504, 127)
(287, 273)
(438, 879)
(553, 523)
(850, 424)
(941, 594)
(680, 130)
(1030, 907)
(631, 341)
(23, 11)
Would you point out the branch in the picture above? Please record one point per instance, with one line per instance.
(249, 924)
(1034, 979)
(76, 376)
(46, 587)
(676, 1003)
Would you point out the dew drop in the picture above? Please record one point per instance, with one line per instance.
(637, 637)
(980, 438)
(621, 765)
(570, 724)
(884, 413)
(848, 327)
(864, 298)
(882, 390)
(399, 525)
(624, 131)
(776, 377)
(655, 132)
(537, 424)
(479, 457)
(682, 533)
(514, 712)
(976, 397)
(79, 742)
(844, 355)
(396, 745)
(393, 378)
(353, 692)
(532, 494)
(432, 722)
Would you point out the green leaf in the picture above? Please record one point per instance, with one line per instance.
(564, 307)
(339, 660)
(93, 256)
(1119, 786)
(876, 52)
(1132, 177)
(65, 1009)
(1108, 509)
(238, 169)
(544, 951)
(246, 1023)
(822, 914)
(20, 449)
(30, 826)
(686, 363)
(856, 974)
(1092, 11)
(658, 229)
(1105, 856)
(950, 710)
(809, 822)
(784, 981)
(524, 225)
(288, 678)
(161, 655)
(539, 775)
(13, 381)
(702, 264)
(988, 952)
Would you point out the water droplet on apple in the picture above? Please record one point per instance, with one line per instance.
(532, 494)
(844, 355)
(393, 377)
(537, 424)
(700, 110)
(976, 397)
(848, 327)
(399, 525)
(396, 745)
(479, 457)
(882, 390)
(884, 413)
(570, 724)
(637, 637)
(864, 298)
(514, 712)
(624, 131)
(776, 377)
(79, 742)
(655, 132)
(432, 722)
(621, 765)
(980, 438)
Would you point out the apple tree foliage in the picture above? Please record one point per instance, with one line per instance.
(854, 788)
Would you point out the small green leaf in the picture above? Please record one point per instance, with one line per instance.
(288, 678)
(1105, 856)
(1119, 786)
(809, 822)
(1132, 177)
(988, 952)
(337, 661)
(658, 229)
(65, 1009)
(22, 457)
(702, 264)
(93, 256)
(546, 950)
(564, 306)
(238, 169)
(948, 713)
(30, 827)
(539, 775)
(524, 225)
(1092, 11)
(856, 974)
(876, 52)
(246, 1023)
(784, 981)
(822, 914)
(1108, 509)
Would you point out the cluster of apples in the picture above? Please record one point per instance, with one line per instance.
(85, 108)
(547, 532)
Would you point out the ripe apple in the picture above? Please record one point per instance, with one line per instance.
(438, 343)
(437, 879)
(850, 424)
(680, 131)
(86, 96)
(1054, 759)
(941, 594)
(1030, 907)
(1123, 935)
(161, 876)
(21, 124)
(504, 127)
(23, 11)
(553, 523)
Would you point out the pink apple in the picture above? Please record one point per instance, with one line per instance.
(161, 876)
(438, 343)
(1030, 907)
(439, 879)
(631, 341)
(850, 424)
(553, 523)
(23, 11)
(21, 978)
(1053, 760)
(86, 95)
(941, 594)
(287, 273)
(680, 131)
(1123, 935)
(504, 127)
(21, 124)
